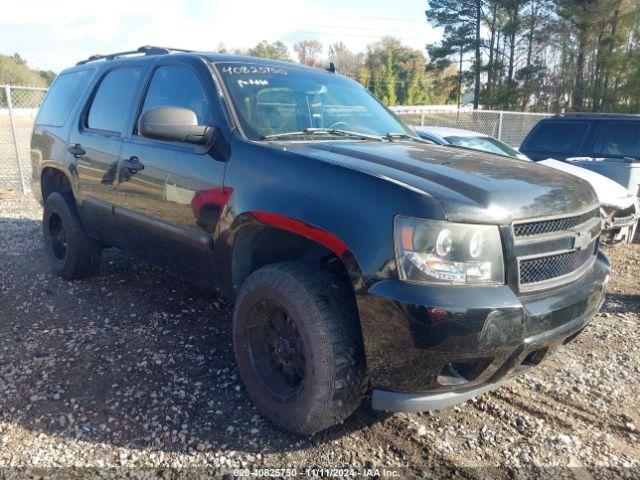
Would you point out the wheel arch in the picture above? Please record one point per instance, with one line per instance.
(261, 238)
(54, 179)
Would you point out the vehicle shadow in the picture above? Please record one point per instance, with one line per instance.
(133, 357)
(621, 303)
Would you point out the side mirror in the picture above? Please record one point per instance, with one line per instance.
(173, 123)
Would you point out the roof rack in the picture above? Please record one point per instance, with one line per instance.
(602, 115)
(144, 50)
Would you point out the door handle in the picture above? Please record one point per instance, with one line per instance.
(132, 164)
(76, 150)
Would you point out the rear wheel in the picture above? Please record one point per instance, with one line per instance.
(71, 252)
(298, 347)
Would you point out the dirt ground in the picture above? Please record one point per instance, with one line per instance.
(133, 370)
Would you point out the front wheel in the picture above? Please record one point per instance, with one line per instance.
(298, 347)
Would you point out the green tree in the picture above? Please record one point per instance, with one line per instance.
(47, 75)
(441, 86)
(535, 21)
(15, 71)
(275, 50)
(395, 73)
(543, 55)
(461, 21)
(581, 15)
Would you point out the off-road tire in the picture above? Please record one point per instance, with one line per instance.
(81, 257)
(326, 318)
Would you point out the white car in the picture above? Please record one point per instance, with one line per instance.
(620, 210)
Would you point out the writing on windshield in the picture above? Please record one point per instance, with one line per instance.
(274, 99)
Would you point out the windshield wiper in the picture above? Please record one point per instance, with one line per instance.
(405, 136)
(324, 131)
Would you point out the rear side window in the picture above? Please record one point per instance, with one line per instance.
(621, 139)
(62, 97)
(558, 137)
(177, 86)
(112, 102)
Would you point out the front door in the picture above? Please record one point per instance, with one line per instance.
(95, 142)
(169, 193)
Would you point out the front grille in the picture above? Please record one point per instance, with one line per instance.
(535, 270)
(555, 225)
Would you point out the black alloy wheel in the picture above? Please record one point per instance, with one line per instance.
(276, 350)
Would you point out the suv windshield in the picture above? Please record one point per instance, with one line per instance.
(271, 100)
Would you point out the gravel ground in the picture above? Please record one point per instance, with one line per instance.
(134, 370)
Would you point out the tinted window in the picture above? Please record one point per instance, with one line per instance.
(112, 102)
(175, 86)
(558, 137)
(62, 96)
(618, 140)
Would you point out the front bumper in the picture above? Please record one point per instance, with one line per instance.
(429, 347)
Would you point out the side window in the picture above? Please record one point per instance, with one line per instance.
(558, 137)
(621, 139)
(62, 97)
(112, 102)
(176, 86)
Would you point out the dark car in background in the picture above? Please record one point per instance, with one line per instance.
(608, 144)
(359, 256)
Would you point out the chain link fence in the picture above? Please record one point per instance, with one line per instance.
(19, 106)
(510, 127)
(18, 109)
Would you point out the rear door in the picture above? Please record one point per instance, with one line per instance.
(55, 118)
(171, 193)
(557, 139)
(95, 142)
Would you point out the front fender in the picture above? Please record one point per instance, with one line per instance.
(348, 211)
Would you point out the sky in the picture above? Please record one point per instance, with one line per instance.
(54, 34)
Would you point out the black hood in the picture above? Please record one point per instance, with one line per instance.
(471, 186)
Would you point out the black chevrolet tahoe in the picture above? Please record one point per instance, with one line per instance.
(360, 258)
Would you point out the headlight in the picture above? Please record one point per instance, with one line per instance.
(430, 251)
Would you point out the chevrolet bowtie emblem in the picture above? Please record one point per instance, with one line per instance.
(581, 240)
